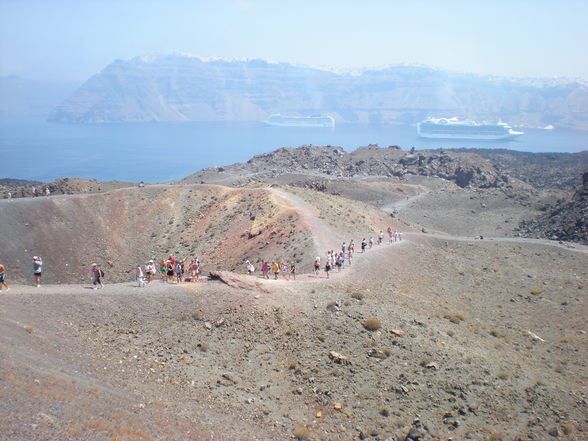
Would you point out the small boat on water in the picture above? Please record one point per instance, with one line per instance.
(454, 128)
(300, 121)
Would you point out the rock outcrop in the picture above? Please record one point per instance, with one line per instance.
(543, 171)
(565, 220)
(464, 169)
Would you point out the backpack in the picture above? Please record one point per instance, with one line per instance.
(101, 273)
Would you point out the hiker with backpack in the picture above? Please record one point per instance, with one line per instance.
(97, 275)
(328, 266)
(317, 265)
(149, 271)
(179, 270)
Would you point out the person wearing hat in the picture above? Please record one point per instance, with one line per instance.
(37, 269)
(250, 267)
(96, 276)
(149, 271)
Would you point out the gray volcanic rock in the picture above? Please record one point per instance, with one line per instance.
(556, 171)
(184, 88)
(464, 169)
(565, 220)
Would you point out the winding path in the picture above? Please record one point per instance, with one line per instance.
(323, 235)
(398, 205)
(326, 238)
(401, 203)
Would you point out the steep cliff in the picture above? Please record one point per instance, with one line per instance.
(185, 88)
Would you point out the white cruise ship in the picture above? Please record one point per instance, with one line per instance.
(453, 128)
(300, 121)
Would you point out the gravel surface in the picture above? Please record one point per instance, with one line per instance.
(441, 336)
(474, 338)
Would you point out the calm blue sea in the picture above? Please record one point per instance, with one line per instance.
(159, 152)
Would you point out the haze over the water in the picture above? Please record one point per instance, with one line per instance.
(72, 40)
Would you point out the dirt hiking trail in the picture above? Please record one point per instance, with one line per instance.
(475, 337)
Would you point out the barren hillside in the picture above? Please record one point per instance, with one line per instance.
(221, 226)
(476, 339)
(444, 335)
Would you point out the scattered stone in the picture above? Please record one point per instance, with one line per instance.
(333, 306)
(229, 377)
(567, 429)
(377, 353)
(338, 358)
(535, 336)
(372, 324)
(301, 433)
(417, 432)
(46, 419)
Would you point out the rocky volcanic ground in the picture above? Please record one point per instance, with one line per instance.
(18, 188)
(441, 336)
(566, 219)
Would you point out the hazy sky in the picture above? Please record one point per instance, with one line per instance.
(73, 39)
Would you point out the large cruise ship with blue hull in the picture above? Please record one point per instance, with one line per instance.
(454, 128)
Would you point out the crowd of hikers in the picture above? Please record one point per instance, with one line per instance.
(171, 270)
(335, 260)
